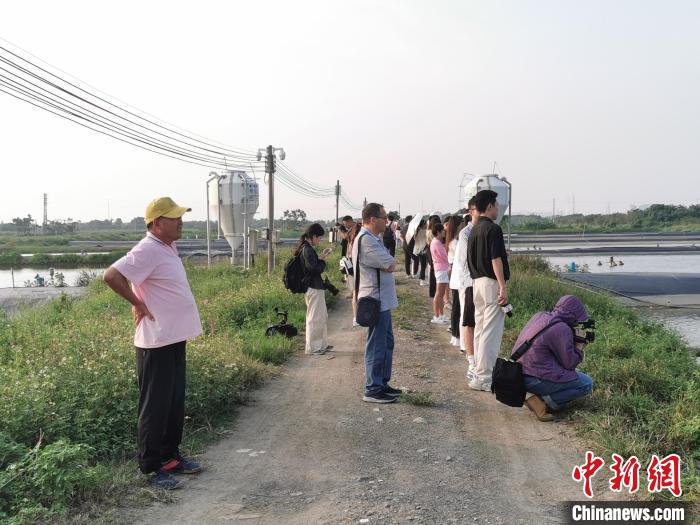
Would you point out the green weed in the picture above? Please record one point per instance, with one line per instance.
(422, 399)
(646, 396)
(67, 381)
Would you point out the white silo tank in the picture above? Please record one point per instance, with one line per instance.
(490, 182)
(234, 201)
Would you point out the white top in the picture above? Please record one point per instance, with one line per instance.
(460, 278)
(451, 250)
(158, 279)
(420, 244)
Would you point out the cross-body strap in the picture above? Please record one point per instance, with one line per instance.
(528, 342)
(357, 270)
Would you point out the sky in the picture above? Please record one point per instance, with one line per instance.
(589, 106)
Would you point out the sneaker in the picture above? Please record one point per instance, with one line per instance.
(471, 376)
(379, 398)
(163, 480)
(454, 341)
(444, 319)
(181, 466)
(329, 348)
(475, 384)
(422, 282)
(394, 392)
(435, 320)
(318, 352)
(355, 323)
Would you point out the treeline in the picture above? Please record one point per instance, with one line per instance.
(657, 217)
(63, 260)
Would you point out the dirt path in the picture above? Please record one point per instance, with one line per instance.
(308, 450)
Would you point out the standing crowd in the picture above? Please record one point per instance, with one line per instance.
(466, 263)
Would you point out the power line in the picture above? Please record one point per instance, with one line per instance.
(77, 111)
(57, 97)
(229, 151)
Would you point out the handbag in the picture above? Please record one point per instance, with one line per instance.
(507, 381)
(368, 308)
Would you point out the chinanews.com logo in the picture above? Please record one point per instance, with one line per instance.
(662, 474)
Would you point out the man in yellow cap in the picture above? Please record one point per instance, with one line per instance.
(166, 316)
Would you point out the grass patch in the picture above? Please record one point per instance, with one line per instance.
(646, 396)
(68, 391)
(421, 399)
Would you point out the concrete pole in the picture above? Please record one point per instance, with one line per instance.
(270, 206)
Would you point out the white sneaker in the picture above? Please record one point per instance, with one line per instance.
(444, 318)
(422, 282)
(355, 323)
(484, 386)
(436, 320)
(454, 341)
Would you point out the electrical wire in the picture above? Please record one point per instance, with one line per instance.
(88, 110)
(224, 150)
(75, 110)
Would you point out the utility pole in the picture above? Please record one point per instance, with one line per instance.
(270, 170)
(46, 216)
(365, 203)
(337, 197)
(554, 202)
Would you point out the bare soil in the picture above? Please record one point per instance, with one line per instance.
(306, 449)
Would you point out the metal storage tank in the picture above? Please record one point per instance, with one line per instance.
(490, 182)
(234, 201)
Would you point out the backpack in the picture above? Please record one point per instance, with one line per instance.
(294, 275)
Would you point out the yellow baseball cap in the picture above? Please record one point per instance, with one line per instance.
(163, 207)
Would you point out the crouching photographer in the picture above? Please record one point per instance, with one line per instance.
(549, 366)
(314, 266)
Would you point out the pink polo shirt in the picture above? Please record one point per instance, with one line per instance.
(158, 279)
(439, 255)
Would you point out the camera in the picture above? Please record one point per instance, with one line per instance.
(507, 309)
(588, 329)
(327, 285)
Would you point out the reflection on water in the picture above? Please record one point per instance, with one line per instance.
(28, 274)
(684, 320)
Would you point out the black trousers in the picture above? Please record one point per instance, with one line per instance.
(161, 375)
(423, 261)
(409, 258)
(432, 283)
(455, 316)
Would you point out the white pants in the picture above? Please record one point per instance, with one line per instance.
(489, 327)
(316, 321)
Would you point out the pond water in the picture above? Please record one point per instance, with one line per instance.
(684, 320)
(28, 274)
(664, 263)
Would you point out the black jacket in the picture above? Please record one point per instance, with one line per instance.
(313, 267)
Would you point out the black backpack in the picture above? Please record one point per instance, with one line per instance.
(294, 275)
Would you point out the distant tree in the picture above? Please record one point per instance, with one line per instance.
(294, 216)
(118, 222)
(393, 215)
(23, 225)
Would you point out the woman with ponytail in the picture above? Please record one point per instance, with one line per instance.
(314, 266)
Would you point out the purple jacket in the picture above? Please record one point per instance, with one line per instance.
(552, 356)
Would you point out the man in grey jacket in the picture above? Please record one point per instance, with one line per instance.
(374, 269)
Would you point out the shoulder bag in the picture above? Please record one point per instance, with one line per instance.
(507, 381)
